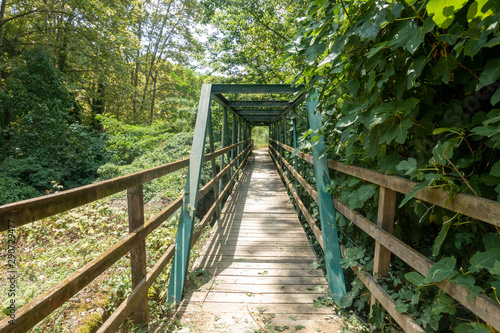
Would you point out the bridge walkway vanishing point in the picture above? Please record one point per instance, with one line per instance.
(259, 262)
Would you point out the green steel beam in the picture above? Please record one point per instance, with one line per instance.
(259, 112)
(255, 89)
(186, 221)
(296, 159)
(299, 99)
(261, 118)
(222, 101)
(334, 272)
(224, 136)
(258, 104)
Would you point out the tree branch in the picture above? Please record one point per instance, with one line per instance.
(266, 26)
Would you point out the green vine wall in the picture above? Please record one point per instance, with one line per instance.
(411, 88)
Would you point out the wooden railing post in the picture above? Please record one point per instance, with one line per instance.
(385, 220)
(135, 202)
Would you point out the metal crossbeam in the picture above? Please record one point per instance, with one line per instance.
(255, 89)
(258, 104)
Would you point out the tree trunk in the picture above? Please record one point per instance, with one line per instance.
(153, 98)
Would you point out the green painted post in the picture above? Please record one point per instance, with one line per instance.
(296, 159)
(233, 151)
(223, 145)
(334, 272)
(186, 221)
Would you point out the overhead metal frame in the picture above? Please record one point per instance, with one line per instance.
(247, 113)
(257, 112)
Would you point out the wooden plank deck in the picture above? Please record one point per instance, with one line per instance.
(258, 260)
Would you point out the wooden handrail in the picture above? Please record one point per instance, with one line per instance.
(475, 207)
(114, 321)
(26, 211)
(483, 306)
(39, 308)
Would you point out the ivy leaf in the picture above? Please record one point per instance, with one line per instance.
(464, 280)
(472, 328)
(495, 169)
(429, 179)
(443, 304)
(347, 299)
(441, 237)
(490, 74)
(410, 166)
(404, 32)
(313, 51)
(496, 285)
(442, 270)
(486, 259)
(415, 278)
(444, 68)
(443, 11)
(496, 269)
(440, 150)
(376, 49)
(401, 307)
(495, 98)
(418, 36)
(415, 70)
(397, 132)
(480, 9)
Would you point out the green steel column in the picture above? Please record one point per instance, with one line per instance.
(239, 139)
(296, 159)
(186, 221)
(334, 272)
(212, 149)
(234, 150)
(223, 145)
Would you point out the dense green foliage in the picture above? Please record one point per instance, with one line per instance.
(410, 88)
(65, 66)
(248, 38)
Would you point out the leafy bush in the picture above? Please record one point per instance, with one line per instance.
(411, 88)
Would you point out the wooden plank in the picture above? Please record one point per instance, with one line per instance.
(475, 207)
(266, 271)
(264, 308)
(33, 312)
(483, 306)
(27, 211)
(264, 288)
(220, 297)
(385, 220)
(135, 204)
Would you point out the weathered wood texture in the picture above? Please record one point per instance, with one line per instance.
(33, 312)
(259, 260)
(481, 305)
(30, 210)
(476, 207)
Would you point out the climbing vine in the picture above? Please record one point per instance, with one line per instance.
(411, 88)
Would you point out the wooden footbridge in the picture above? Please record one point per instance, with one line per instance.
(258, 258)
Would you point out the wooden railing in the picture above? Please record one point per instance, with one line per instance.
(28, 211)
(385, 243)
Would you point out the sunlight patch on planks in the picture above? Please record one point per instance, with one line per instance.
(255, 269)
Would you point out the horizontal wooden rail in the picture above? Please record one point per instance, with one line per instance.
(113, 323)
(484, 307)
(35, 311)
(312, 224)
(26, 211)
(475, 207)
(405, 321)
